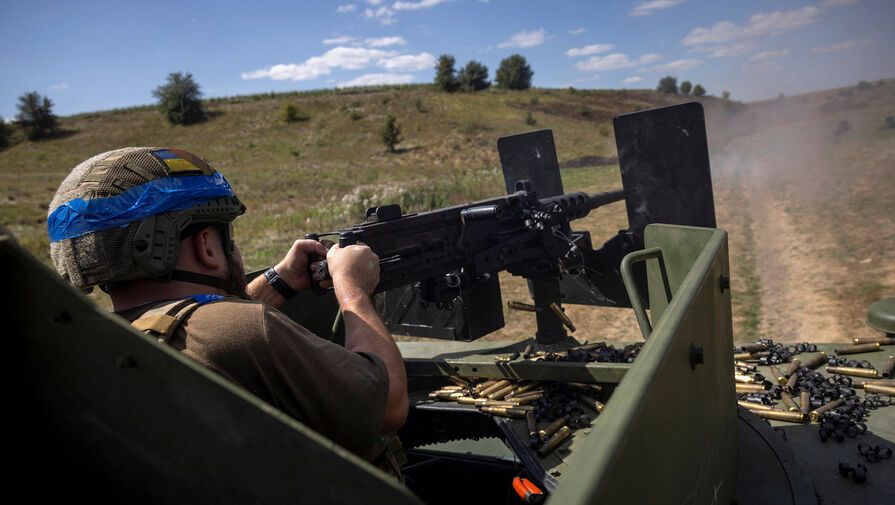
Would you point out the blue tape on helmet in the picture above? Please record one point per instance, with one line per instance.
(78, 217)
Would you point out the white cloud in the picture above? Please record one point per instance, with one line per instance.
(386, 41)
(758, 25)
(345, 39)
(831, 3)
(630, 80)
(577, 31)
(726, 51)
(408, 62)
(412, 6)
(768, 55)
(614, 61)
(376, 80)
(525, 39)
(385, 15)
(374, 2)
(61, 85)
(645, 9)
(591, 49)
(345, 8)
(677, 65)
(841, 46)
(349, 58)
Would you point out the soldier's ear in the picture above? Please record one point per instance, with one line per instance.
(208, 249)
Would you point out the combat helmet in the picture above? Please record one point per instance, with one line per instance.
(121, 215)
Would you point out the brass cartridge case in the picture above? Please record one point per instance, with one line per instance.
(585, 387)
(500, 393)
(494, 387)
(591, 403)
(879, 388)
(744, 379)
(816, 361)
(744, 356)
(554, 441)
(506, 412)
(793, 417)
(889, 367)
(869, 373)
(750, 388)
(525, 307)
(562, 316)
(875, 340)
(805, 402)
(855, 349)
(527, 351)
(532, 424)
(791, 405)
(754, 406)
(794, 365)
(552, 428)
(448, 396)
(791, 383)
(816, 413)
(587, 347)
(756, 347)
(526, 388)
(778, 375)
(485, 385)
(861, 384)
(745, 366)
(458, 381)
(527, 398)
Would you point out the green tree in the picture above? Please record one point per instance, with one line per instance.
(36, 115)
(725, 95)
(290, 113)
(686, 87)
(473, 77)
(445, 77)
(667, 84)
(391, 134)
(5, 133)
(178, 99)
(698, 90)
(514, 73)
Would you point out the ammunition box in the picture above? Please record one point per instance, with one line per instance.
(816, 361)
(816, 413)
(778, 375)
(791, 405)
(875, 340)
(869, 373)
(794, 365)
(855, 349)
(554, 441)
(793, 417)
(805, 402)
(888, 367)
(878, 388)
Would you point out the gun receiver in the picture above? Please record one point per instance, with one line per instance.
(446, 250)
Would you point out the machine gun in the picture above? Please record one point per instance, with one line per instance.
(438, 268)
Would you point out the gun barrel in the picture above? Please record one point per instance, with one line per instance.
(601, 199)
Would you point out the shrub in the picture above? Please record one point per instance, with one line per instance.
(290, 113)
(686, 87)
(890, 122)
(533, 100)
(583, 110)
(5, 133)
(698, 90)
(725, 95)
(418, 103)
(841, 127)
(178, 99)
(529, 119)
(514, 73)
(355, 115)
(391, 134)
(862, 85)
(667, 84)
(445, 78)
(36, 115)
(473, 77)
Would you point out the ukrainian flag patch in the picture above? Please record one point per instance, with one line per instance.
(181, 161)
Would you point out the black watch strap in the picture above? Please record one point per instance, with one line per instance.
(277, 282)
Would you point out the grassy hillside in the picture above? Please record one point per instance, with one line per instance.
(321, 173)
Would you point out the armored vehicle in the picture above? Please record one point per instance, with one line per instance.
(101, 412)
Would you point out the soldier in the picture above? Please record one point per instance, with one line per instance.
(152, 228)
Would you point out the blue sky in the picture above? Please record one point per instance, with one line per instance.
(98, 55)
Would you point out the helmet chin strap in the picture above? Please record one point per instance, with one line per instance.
(196, 278)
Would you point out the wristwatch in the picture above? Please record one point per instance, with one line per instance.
(279, 284)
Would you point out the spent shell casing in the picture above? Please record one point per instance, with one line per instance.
(778, 375)
(754, 406)
(500, 393)
(585, 387)
(528, 398)
(458, 381)
(532, 423)
(750, 388)
(587, 347)
(879, 388)
(527, 351)
(869, 373)
(744, 379)
(552, 428)
(793, 366)
(816, 361)
(791, 405)
(861, 384)
(793, 417)
(875, 340)
(855, 349)
(744, 356)
(484, 385)
(562, 316)
(745, 366)
(805, 402)
(494, 387)
(816, 413)
(791, 383)
(506, 412)
(554, 441)
(591, 403)
(889, 367)
(445, 395)
(525, 307)
(756, 347)
(525, 388)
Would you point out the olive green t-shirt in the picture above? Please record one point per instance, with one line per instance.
(337, 392)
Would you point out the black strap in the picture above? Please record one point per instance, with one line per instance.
(196, 278)
(279, 284)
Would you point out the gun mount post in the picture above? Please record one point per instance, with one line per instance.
(544, 291)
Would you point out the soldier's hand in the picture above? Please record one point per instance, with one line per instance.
(294, 267)
(354, 270)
